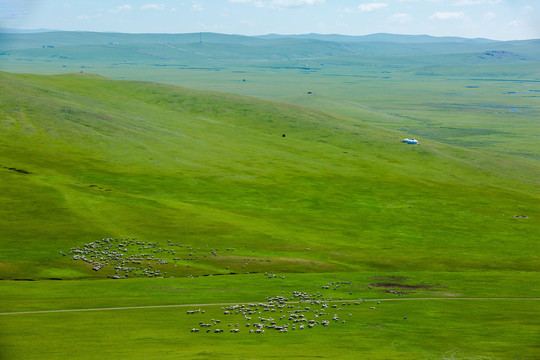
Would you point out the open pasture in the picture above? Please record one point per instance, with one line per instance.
(222, 175)
(153, 201)
(479, 94)
(378, 328)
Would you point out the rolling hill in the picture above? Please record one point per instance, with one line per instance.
(108, 158)
(214, 46)
(133, 212)
(164, 188)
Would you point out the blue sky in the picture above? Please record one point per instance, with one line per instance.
(494, 19)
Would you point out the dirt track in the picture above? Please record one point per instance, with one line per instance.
(236, 303)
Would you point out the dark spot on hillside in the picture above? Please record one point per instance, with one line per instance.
(521, 216)
(388, 278)
(523, 92)
(402, 286)
(499, 55)
(17, 170)
(395, 285)
(98, 187)
(294, 68)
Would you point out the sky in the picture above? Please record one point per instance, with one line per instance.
(493, 19)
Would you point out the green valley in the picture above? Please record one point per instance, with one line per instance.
(170, 183)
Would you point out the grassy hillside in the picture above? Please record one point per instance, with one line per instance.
(116, 159)
(212, 183)
(473, 93)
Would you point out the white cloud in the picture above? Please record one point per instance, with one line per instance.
(225, 13)
(88, 17)
(346, 10)
(371, 7)
(400, 18)
(153, 7)
(516, 23)
(476, 2)
(278, 4)
(125, 7)
(489, 16)
(527, 9)
(197, 6)
(448, 15)
(292, 3)
(428, 1)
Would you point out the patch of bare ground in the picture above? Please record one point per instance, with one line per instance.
(450, 294)
(402, 286)
(300, 260)
(396, 285)
(397, 279)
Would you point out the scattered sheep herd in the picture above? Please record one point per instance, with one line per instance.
(301, 311)
(130, 257)
(134, 258)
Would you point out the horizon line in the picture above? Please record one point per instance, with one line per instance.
(42, 30)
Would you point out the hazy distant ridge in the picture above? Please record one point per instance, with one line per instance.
(396, 38)
(207, 46)
(12, 38)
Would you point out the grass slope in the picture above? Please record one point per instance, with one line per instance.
(127, 158)
(471, 93)
(83, 157)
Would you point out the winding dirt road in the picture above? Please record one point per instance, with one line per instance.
(256, 302)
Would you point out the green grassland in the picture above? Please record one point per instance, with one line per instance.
(248, 198)
(475, 93)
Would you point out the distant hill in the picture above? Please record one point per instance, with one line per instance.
(381, 37)
(11, 40)
(195, 48)
(88, 37)
(24, 31)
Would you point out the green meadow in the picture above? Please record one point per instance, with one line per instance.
(143, 171)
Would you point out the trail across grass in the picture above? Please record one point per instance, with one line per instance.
(229, 304)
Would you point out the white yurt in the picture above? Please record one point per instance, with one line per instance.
(412, 141)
